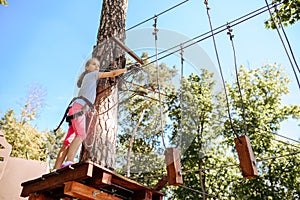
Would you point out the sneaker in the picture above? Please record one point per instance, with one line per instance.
(66, 164)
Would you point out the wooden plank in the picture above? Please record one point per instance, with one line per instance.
(39, 197)
(54, 180)
(161, 183)
(142, 195)
(92, 176)
(125, 182)
(157, 197)
(102, 179)
(246, 157)
(172, 156)
(120, 180)
(81, 191)
(129, 51)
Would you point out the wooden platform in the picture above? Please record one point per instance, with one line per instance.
(87, 181)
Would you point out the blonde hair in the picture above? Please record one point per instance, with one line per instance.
(79, 82)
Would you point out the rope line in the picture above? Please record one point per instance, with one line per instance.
(203, 36)
(136, 93)
(181, 97)
(288, 138)
(286, 38)
(212, 33)
(146, 88)
(283, 142)
(237, 165)
(222, 166)
(283, 44)
(231, 36)
(194, 190)
(275, 157)
(156, 15)
(220, 70)
(155, 31)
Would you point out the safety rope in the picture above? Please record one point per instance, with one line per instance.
(208, 34)
(231, 36)
(220, 70)
(158, 80)
(156, 15)
(283, 44)
(181, 97)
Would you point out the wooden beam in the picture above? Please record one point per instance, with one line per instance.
(246, 157)
(142, 195)
(161, 183)
(78, 190)
(102, 179)
(92, 175)
(129, 51)
(39, 197)
(172, 156)
(57, 179)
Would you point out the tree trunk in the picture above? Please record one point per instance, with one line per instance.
(102, 146)
(200, 163)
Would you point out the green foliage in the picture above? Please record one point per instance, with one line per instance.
(4, 2)
(278, 176)
(287, 13)
(197, 124)
(53, 144)
(193, 115)
(26, 141)
(262, 91)
(142, 104)
(210, 169)
(199, 119)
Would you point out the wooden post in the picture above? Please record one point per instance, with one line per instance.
(142, 195)
(172, 157)
(74, 183)
(39, 197)
(128, 50)
(78, 190)
(246, 157)
(161, 183)
(101, 179)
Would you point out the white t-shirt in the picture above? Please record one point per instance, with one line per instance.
(88, 87)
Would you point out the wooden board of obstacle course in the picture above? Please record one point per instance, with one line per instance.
(87, 180)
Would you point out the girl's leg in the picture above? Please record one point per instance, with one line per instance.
(74, 148)
(65, 148)
(78, 125)
(61, 156)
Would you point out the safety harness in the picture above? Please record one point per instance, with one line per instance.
(75, 115)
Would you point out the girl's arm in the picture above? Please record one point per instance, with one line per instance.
(113, 73)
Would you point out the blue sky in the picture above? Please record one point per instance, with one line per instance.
(48, 43)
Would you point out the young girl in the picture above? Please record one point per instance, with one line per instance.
(76, 134)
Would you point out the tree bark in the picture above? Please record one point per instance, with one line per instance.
(102, 148)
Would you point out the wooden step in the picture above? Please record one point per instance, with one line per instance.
(87, 180)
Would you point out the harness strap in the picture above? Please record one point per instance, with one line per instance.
(70, 117)
(62, 120)
(86, 101)
(76, 114)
